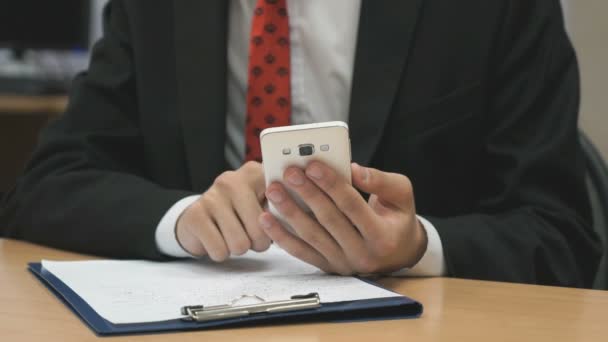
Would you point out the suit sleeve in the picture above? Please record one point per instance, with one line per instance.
(86, 188)
(532, 223)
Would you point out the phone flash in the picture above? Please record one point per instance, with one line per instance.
(286, 151)
(324, 148)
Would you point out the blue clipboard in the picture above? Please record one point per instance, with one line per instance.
(361, 310)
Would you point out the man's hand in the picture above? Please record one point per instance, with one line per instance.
(223, 221)
(347, 235)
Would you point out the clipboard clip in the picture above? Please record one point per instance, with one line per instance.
(200, 313)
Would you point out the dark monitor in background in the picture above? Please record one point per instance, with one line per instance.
(37, 27)
(44, 24)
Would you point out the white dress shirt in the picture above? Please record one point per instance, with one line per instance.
(323, 37)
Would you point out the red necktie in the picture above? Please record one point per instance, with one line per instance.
(268, 91)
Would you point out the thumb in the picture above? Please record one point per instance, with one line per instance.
(392, 189)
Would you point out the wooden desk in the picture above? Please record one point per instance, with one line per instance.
(33, 104)
(455, 310)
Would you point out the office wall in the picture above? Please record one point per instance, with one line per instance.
(588, 27)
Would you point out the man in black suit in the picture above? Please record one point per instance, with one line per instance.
(474, 101)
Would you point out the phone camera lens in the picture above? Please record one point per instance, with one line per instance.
(306, 149)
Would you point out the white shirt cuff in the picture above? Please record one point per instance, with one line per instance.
(432, 263)
(166, 240)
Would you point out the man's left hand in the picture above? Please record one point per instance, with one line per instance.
(347, 235)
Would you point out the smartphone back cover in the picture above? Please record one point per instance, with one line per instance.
(335, 153)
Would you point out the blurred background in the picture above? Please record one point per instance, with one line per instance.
(43, 44)
(588, 28)
(38, 61)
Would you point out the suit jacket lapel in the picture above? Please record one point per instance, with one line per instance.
(386, 29)
(200, 44)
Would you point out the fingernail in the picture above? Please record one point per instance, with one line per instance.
(264, 222)
(275, 196)
(295, 178)
(314, 171)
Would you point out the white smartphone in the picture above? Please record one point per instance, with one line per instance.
(298, 145)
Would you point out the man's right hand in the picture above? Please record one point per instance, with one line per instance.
(224, 220)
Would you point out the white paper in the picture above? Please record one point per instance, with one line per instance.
(145, 291)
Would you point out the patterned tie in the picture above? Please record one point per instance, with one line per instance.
(268, 91)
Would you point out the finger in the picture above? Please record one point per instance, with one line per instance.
(292, 244)
(378, 207)
(211, 238)
(254, 173)
(325, 211)
(345, 197)
(305, 226)
(247, 198)
(248, 209)
(392, 189)
(232, 230)
(186, 230)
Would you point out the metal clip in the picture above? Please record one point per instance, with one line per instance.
(200, 313)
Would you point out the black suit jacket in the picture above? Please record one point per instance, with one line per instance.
(476, 101)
